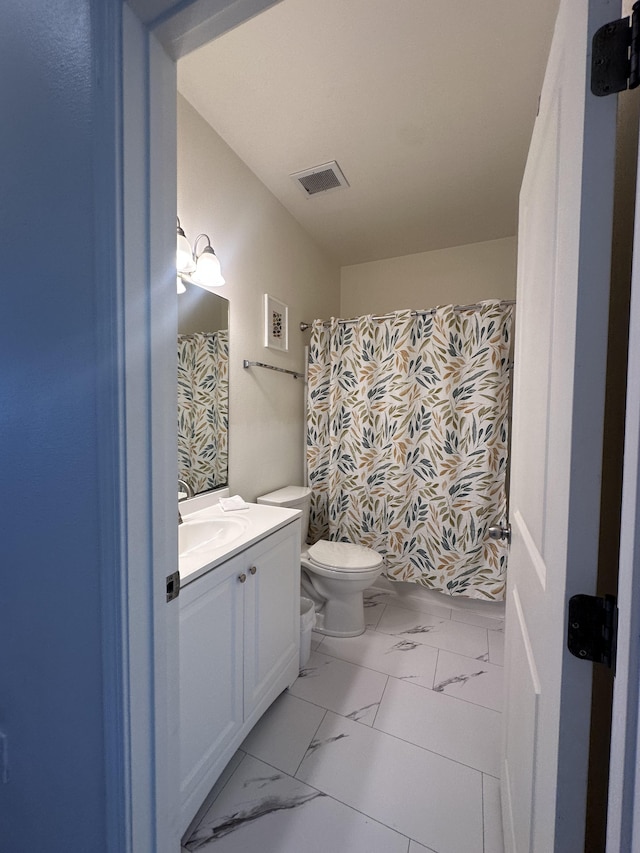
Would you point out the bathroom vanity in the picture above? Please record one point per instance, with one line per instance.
(239, 633)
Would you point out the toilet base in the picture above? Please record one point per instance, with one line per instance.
(337, 594)
(343, 617)
(320, 629)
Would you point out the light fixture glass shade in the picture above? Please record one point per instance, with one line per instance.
(208, 272)
(184, 257)
(180, 285)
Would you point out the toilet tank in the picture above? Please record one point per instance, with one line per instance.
(292, 497)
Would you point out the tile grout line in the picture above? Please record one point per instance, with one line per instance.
(370, 668)
(418, 638)
(401, 740)
(372, 727)
(421, 642)
(436, 612)
(217, 797)
(424, 748)
(320, 642)
(503, 652)
(373, 627)
(484, 829)
(406, 679)
(336, 800)
(396, 737)
(497, 627)
(435, 671)
(477, 660)
(448, 695)
(295, 775)
(375, 716)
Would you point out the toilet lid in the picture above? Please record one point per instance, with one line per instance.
(343, 555)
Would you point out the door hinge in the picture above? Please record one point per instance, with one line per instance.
(615, 55)
(593, 628)
(173, 586)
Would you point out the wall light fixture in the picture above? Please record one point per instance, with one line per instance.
(185, 263)
(201, 268)
(208, 272)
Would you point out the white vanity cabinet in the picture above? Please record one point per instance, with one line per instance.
(239, 647)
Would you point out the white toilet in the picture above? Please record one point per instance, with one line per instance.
(333, 574)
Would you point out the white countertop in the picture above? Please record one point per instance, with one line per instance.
(261, 519)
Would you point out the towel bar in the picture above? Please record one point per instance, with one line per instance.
(293, 373)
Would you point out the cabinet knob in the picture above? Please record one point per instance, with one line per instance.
(253, 570)
(242, 578)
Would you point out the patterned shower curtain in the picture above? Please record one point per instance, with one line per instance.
(407, 442)
(203, 409)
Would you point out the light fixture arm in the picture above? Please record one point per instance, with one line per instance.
(195, 245)
(201, 268)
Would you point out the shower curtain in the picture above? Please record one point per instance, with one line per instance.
(203, 409)
(407, 442)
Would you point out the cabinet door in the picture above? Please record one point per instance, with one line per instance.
(211, 706)
(272, 618)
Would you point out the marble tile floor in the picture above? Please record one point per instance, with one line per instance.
(386, 743)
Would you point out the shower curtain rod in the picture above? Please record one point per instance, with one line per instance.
(474, 306)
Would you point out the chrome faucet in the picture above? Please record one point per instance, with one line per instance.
(183, 486)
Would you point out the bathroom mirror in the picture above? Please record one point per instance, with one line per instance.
(203, 389)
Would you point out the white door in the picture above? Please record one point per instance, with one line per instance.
(561, 336)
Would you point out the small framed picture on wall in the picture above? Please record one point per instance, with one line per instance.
(276, 324)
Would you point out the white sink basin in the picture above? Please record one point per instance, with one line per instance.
(202, 534)
(208, 536)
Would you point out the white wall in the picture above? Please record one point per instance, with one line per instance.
(262, 250)
(460, 275)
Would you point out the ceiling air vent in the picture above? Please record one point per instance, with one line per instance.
(320, 179)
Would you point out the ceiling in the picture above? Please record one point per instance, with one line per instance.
(427, 106)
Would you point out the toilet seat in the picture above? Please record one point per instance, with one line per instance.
(343, 557)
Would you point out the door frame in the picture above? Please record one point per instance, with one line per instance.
(624, 778)
(139, 640)
(140, 630)
(143, 649)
